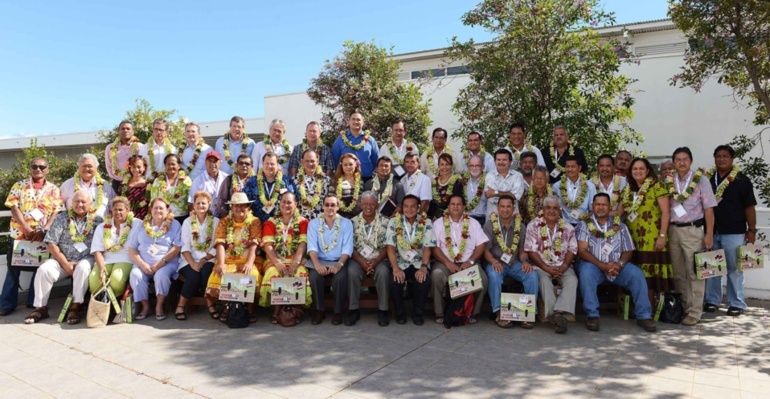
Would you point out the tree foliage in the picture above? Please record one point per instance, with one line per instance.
(730, 41)
(546, 66)
(142, 116)
(363, 78)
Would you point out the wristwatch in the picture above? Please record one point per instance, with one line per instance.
(753, 230)
(472, 262)
(496, 193)
(427, 266)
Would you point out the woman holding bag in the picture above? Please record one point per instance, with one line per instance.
(110, 250)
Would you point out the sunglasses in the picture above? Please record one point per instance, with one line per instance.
(39, 167)
(244, 164)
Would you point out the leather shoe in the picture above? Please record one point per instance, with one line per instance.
(733, 311)
(592, 324)
(318, 317)
(401, 318)
(689, 321)
(6, 312)
(382, 318)
(418, 320)
(561, 323)
(709, 308)
(353, 317)
(647, 324)
(337, 319)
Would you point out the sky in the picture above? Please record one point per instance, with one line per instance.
(78, 66)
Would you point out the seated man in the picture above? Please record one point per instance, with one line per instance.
(329, 246)
(460, 243)
(69, 240)
(552, 246)
(506, 257)
(369, 258)
(605, 247)
(409, 241)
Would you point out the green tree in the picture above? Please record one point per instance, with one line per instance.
(546, 66)
(364, 78)
(730, 42)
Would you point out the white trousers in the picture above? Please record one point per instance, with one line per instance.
(50, 272)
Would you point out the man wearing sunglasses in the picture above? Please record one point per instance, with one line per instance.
(235, 183)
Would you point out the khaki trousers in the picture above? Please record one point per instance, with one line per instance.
(683, 243)
(565, 302)
(439, 276)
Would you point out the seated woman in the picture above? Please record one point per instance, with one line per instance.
(174, 186)
(445, 185)
(154, 249)
(198, 253)
(109, 249)
(134, 186)
(236, 240)
(284, 240)
(348, 185)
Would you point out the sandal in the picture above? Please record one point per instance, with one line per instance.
(215, 314)
(472, 320)
(439, 319)
(160, 317)
(36, 315)
(223, 316)
(527, 325)
(504, 323)
(73, 316)
(273, 320)
(252, 318)
(180, 315)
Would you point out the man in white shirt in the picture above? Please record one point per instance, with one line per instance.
(233, 143)
(275, 142)
(210, 181)
(475, 146)
(518, 144)
(415, 182)
(157, 148)
(429, 159)
(608, 182)
(575, 191)
(194, 151)
(397, 147)
(474, 190)
(503, 181)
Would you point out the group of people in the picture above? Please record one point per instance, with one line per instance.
(270, 209)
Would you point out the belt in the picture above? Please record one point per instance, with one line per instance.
(698, 223)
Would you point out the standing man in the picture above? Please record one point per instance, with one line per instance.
(527, 164)
(622, 163)
(734, 212)
(397, 147)
(211, 181)
(692, 207)
(503, 181)
(474, 147)
(312, 141)
(518, 144)
(234, 143)
(329, 246)
(385, 185)
(429, 159)
(460, 244)
(117, 153)
(194, 151)
(417, 183)
(370, 258)
(558, 153)
(359, 143)
(34, 204)
(157, 147)
(275, 142)
(475, 183)
(608, 182)
(575, 191)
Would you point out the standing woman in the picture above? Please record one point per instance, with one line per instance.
(284, 240)
(347, 185)
(174, 186)
(134, 186)
(445, 185)
(110, 250)
(198, 253)
(154, 249)
(645, 204)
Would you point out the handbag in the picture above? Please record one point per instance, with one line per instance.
(237, 315)
(290, 315)
(124, 315)
(673, 310)
(99, 308)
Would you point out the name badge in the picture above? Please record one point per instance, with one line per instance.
(555, 173)
(366, 251)
(575, 213)
(269, 209)
(506, 258)
(410, 255)
(679, 210)
(80, 247)
(632, 216)
(36, 214)
(606, 249)
(153, 250)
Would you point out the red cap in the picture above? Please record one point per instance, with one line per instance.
(214, 154)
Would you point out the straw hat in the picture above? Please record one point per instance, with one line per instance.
(239, 198)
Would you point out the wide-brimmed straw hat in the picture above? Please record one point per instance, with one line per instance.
(239, 198)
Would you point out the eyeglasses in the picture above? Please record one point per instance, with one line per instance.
(330, 205)
(39, 167)
(474, 166)
(244, 164)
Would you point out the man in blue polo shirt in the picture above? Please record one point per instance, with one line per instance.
(359, 142)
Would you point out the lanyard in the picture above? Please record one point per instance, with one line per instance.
(409, 229)
(269, 191)
(38, 195)
(286, 232)
(602, 228)
(679, 188)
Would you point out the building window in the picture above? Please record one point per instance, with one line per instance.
(458, 70)
(428, 73)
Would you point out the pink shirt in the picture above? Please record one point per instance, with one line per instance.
(535, 243)
(475, 233)
(702, 197)
(124, 152)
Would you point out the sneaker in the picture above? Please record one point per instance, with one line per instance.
(689, 321)
(560, 322)
(647, 324)
(733, 311)
(353, 316)
(382, 318)
(709, 308)
(592, 324)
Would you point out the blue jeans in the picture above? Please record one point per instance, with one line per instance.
(10, 296)
(529, 280)
(735, 297)
(630, 278)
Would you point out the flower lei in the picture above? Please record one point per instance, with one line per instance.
(553, 250)
(196, 154)
(552, 149)
(290, 246)
(388, 187)
(394, 154)
(163, 227)
(179, 199)
(336, 227)
(417, 240)
(527, 147)
(531, 200)
(317, 149)
(245, 140)
(463, 237)
(99, 189)
(443, 199)
(414, 181)
(579, 198)
(76, 238)
(151, 151)
(107, 237)
(615, 188)
(202, 246)
(726, 182)
(429, 157)
(235, 184)
(473, 203)
(631, 206)
(356, 191)
(243, 237)
(355, 147)
(498, 230)
(287, 149)
(687, 192)
(310, 201)
(134, 142)
(276, 188)
(601, 234)
(360, 233)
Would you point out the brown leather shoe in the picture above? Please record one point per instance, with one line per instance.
(592, 324)
(318, 317)
(689, 321)
(337, 319)
(647, 324)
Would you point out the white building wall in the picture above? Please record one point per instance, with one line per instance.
(296, 109)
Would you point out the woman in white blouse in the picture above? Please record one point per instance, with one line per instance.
(197, 263)
(109, 248)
